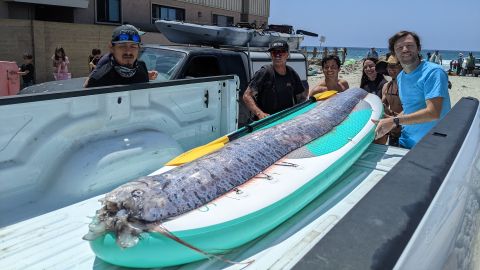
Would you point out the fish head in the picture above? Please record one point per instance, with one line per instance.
(128, 211)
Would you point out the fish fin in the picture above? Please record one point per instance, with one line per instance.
(165, 232)
(90, 236)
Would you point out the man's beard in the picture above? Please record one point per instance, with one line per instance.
(126, 71)
(408, 60)
(128, 57)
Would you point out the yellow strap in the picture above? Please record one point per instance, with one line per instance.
(198, 152)
(325, 95)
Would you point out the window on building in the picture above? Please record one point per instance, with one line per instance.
(109, 11)
(53, 13)
(167, 13)
(222, 20)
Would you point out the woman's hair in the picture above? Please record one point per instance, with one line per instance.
(365, 79)
(61, 51)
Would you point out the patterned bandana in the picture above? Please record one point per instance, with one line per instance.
(123, 71)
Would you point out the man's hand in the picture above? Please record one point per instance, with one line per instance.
(262, 115)
(383, 126)
(152, 75)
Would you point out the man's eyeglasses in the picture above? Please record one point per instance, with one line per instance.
(127, 37)
(278, 52)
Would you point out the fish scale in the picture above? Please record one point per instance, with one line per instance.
(194, 184)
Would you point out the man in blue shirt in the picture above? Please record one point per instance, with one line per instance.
(423, 90)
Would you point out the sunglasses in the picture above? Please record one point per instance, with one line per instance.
(393, 65)
(278, 52)
(127, 37)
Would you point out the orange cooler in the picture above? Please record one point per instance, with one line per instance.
(9, 78)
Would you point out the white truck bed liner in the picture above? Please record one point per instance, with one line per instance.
(54, 240)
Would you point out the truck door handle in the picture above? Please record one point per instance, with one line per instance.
(205, 98)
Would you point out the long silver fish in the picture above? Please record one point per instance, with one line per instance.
(137, 206)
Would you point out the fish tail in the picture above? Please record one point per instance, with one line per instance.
(164, 231)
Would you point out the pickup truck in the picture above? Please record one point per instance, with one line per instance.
(181, 62)
(394, 208)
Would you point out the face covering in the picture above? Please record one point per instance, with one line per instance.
(123, 71)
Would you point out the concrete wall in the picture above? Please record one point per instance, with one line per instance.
(78, 40)
(85, 15)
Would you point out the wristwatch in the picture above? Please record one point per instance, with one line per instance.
(396, 121)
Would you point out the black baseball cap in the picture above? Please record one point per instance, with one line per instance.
(126, 33)
(278, 45)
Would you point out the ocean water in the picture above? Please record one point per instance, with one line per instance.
(357, 53)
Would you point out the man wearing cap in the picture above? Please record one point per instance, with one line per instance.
(123, 66)
(274, 87)
(423, 90)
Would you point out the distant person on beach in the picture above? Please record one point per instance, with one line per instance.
(372, 81)
(27, 70)
(274, 87)
(470, 63)
(436, 58)
(391, 100)
(335, 51)
(344, 55)
(423, 90)
(60, 64)
(330, 67)
(325, 52)
(429, 55)
(459, 63)
(123, 66)
(315, 52)
(372, 53)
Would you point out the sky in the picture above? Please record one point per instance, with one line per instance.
(441, 24)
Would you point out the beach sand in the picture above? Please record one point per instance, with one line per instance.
(461, 86)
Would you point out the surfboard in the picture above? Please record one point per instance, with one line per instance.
(260, 204)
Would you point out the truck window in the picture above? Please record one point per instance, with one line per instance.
(203, 66)
(165, 62)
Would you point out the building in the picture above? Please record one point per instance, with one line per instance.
(39, 26)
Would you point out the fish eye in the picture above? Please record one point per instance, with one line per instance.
(137, 193)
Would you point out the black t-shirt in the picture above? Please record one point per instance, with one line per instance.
(106, 75)
(376, 86)
(27, 77)
(276, 92)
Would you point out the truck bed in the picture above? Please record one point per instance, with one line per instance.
(54, 240)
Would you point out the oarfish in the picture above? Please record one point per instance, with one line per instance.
(136, 206)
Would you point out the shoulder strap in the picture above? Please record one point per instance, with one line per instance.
(291, 76)
(270, 70)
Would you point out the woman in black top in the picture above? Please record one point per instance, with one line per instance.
(372, 81)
